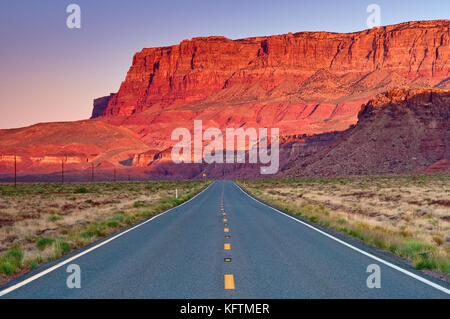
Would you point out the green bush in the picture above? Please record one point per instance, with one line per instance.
(423, 263)
(54, 218)
(44, 242)
(412, 248)
(64, 246)
(33, 264)
(138, 204)
(314, 219)
(11, 261)
(87, 234)
(7, 267)
(115, 221)
(81, 190)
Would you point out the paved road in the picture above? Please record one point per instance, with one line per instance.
(181, 254)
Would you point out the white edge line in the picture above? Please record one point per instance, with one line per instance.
(406, 272)
(84, 252)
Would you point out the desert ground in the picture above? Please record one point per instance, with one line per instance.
(40, 222)
(407, 215)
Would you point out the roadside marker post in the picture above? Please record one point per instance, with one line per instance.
(15, 171)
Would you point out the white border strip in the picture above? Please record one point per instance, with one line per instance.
(406, 272)
(43, 273)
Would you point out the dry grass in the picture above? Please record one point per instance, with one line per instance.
(42, 222)
(408, 215)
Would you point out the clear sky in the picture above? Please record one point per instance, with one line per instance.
(49, 72)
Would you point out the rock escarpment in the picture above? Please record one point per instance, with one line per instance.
(197, 68)
(309, 85)
(403, 130)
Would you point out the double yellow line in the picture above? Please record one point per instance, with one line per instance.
(228, 278)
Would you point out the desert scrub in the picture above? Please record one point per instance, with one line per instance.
(60, 248)
(11, 261)
(42, 243)
(404, 214)
(54, 218)
(73, 215)
(115, 221)
(81, 190)
(139, 203)
(412, 248)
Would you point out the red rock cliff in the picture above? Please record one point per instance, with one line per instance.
(194, 69)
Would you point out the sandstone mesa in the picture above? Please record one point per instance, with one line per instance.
(310, 85)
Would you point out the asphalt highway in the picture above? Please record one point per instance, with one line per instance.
(225, 244)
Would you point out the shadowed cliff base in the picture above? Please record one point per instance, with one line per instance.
(400, 131)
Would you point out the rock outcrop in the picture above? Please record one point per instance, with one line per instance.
(401, 131)
(100, 105)
(197, 68)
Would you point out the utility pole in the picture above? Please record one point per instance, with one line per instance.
(92, 174)
(114, 174)
(15, 171)
(62, 171)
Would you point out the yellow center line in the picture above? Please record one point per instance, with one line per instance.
(229, 281)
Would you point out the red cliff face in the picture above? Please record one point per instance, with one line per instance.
(304, 84)
(197, 68)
